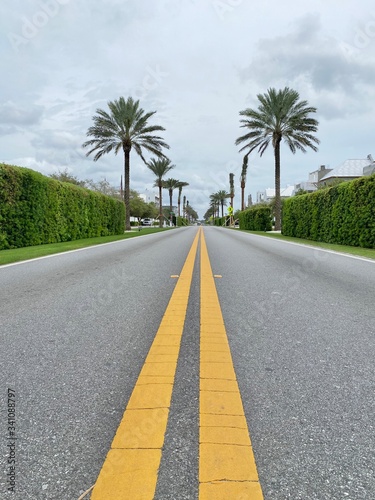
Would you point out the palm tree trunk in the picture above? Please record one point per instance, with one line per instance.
(179, 201)
(127, 188)
(160, 205)
(242, 195)
(170, 207)
(277, 187)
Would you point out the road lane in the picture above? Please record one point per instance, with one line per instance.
(131, 466)
(301, 326)
(75, 331)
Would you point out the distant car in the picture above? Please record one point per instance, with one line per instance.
(146, 222)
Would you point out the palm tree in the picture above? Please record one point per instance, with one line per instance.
(124, 127)
(160, 168)
(191, 213)
(280, 115)
(222, 196)
(243, 180)
(231, 189)
(170, 184)
(215, 203)
(181, 184)
(184, 206)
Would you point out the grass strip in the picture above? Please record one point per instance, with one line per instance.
(19, 254)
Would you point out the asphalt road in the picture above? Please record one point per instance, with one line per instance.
(75, 330)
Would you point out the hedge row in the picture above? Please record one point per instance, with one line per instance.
(35, 209)
(343, 214)
(182, 221)
(220, 221)
(257, 218)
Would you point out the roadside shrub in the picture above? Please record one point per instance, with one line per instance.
(35, 209)
(222, 221)
(256, 218)
(343, 214)
(182, 221)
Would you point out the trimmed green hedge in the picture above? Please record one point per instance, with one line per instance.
(182, 221)
(35, 209)
(343, 214)
(220, 221)
(257, 218)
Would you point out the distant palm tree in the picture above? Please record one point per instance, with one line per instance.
(222, 196)
(191, 213)
(280, 115)
(184, 206)
(171, 185)
(231, 189)
(124, 127)
(215, 204)
(243, 180)
(181, 184)
(160, 168)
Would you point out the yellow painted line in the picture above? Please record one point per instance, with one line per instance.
(227, 468)
(130, 470)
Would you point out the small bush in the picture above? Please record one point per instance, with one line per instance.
(221, 221)
(256, 218)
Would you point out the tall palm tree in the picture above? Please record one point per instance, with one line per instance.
(243, 180)
(125, 127)
(280, 115)
(184, 206)
(171, 185)
(181, 184)
(160, 167)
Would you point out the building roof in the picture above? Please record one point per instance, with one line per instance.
(287, 192)
(350, 168)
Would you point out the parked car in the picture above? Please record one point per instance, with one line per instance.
(146, 222)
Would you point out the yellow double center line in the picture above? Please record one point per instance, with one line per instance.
(226, 463)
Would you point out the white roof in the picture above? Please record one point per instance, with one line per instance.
(350, 168)
(270, 192)
(288, 191)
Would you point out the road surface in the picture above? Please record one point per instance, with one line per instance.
(76, 332)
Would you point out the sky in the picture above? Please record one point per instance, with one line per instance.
(197, 63)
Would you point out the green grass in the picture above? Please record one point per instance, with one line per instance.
(369, 253)
(18, 254)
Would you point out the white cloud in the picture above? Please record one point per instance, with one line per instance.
(15, 114)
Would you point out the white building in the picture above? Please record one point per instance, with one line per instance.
(149, 196)
(268, 194)
(349, 170)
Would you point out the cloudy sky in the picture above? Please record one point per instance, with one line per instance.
(197, 63)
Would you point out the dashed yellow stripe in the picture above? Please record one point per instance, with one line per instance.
(131, 467)
(227, 468)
